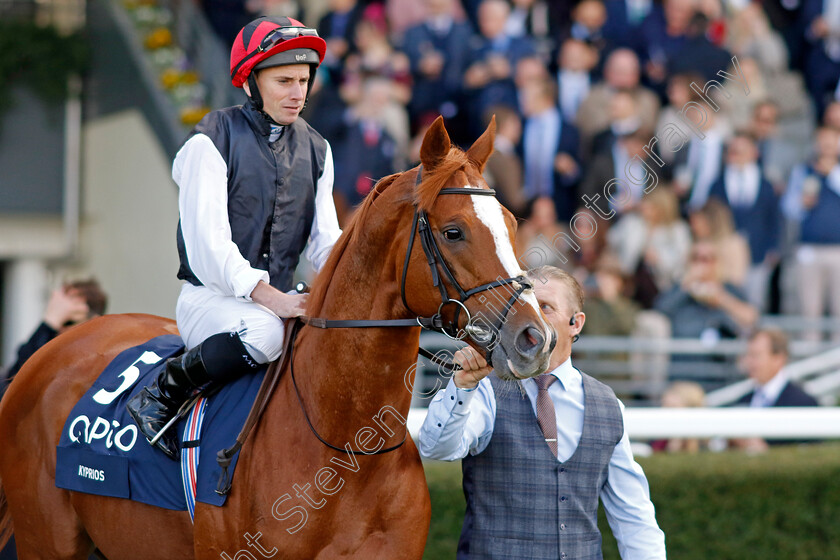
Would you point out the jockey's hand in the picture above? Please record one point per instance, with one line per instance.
(283, 305)
(474, 368)
(293, 305)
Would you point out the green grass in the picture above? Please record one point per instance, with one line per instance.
(727, 506)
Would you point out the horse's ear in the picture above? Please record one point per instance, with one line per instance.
(480, 151)
(436, 145)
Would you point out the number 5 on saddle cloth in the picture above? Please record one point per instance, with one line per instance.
(102, 452)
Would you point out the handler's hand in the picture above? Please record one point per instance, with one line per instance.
(474, 368)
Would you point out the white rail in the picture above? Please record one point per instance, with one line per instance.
(768, 423)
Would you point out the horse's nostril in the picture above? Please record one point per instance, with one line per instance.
(529, 339)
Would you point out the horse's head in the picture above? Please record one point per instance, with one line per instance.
(466, 271)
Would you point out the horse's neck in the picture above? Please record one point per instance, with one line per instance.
(350, 374)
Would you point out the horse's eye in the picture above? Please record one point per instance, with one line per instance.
(453, 234)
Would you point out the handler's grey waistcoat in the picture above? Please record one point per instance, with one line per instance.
(522, 503)
(271, 189)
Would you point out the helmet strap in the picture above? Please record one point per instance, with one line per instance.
(256, 97)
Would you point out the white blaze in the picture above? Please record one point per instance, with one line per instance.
(489, 211)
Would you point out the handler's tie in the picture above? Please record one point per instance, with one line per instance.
(545, 411)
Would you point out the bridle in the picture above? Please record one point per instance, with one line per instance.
(483, 334)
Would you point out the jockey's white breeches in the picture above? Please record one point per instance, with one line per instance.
(201, 313)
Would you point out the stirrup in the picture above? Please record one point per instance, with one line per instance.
(182, 411)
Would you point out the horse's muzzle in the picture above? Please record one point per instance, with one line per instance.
(523, 350)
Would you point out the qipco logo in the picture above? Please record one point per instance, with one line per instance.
(81, 430)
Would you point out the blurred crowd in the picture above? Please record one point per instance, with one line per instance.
(680, 157)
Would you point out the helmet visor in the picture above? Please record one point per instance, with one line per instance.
(280, 34)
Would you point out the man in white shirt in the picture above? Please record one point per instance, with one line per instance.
(535, 468)
(255, 190)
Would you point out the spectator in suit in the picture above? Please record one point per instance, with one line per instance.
(437, 50)
(812, 201)
(755, 210)
(698, 54)
(337, 27)
(405, 14)
(541, 20)
(621, 73)
(624, 18)
(703, 163)
(549, 149)
(489, 78)
(611, 163)
(664, 33)
(503, 171)
(821, 25)
(776, 155)
(366, 151)
(588, 24)
(764, 361)
(528, 69)
(576, 61)
(624, 121)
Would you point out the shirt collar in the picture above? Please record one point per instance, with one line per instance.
(567, 375)
(773, 388)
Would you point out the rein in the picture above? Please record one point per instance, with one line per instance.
(314, 431)
(483, 335)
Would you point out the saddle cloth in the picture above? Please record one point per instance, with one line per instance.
(101, 451)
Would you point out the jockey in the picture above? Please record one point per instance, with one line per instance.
(255, 188)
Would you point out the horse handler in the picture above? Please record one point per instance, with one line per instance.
(255, 187)
(534, 468)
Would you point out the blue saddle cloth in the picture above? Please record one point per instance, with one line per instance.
(101, 451)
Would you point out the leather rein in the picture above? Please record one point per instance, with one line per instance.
(476, 327)
(482, 334)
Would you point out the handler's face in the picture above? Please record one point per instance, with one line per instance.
(555, 304)
(283, 89)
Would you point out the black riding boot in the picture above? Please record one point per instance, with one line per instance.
(220, 358)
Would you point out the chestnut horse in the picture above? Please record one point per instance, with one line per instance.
(293, 496)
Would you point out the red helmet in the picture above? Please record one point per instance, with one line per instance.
(273, 38)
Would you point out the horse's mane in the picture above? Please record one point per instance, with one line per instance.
(424, 198)
(318, 292)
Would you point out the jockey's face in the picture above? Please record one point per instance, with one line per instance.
(283, 89)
